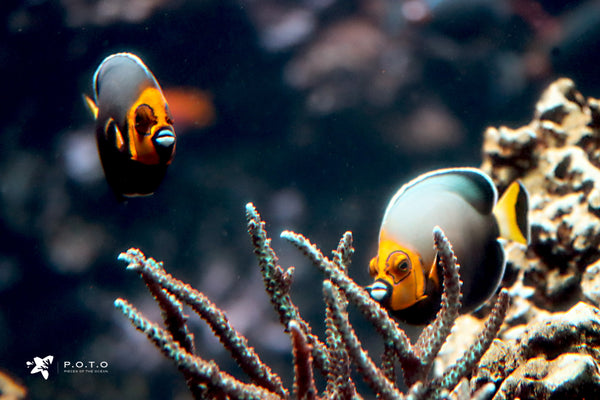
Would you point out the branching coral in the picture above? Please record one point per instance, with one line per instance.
(334, 357)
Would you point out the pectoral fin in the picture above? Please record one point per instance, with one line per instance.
(91, 105)
(434, 273)
(512, 213)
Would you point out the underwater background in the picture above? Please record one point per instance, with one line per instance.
(316, 111)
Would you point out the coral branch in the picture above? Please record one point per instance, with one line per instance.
(235, 343)
(277, 283)
(339, 382)
(343, 255)
(371, 374)
(272, 272)
(304, 384)
(373, 312)
(205, 372)
(469, 360)
(341, 349)
(172, 310)
(388, 362)
(434, 335)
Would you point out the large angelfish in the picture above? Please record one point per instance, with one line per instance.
(463, 202)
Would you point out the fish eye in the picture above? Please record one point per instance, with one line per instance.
(373, 267)
(144, 119)
(399, 264)
(403, 267)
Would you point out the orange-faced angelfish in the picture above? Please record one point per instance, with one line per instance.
(463, 202)
(134, 127)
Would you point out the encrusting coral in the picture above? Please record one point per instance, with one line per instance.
(546, 353)
(553, 358)
(557, 157)
(335, 357)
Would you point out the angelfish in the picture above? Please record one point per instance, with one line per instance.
(134, 127)
(463, 203)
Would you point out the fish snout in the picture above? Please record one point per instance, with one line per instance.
(164, 142)
(380, 291)
(165, 138)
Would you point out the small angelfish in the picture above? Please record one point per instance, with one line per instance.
(134, 127)
(463, 203)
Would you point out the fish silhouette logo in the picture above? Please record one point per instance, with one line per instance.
(40, 365)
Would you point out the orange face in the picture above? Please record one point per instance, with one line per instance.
(402, 269)
(150, 128)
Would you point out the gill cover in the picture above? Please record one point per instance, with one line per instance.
(134, 128)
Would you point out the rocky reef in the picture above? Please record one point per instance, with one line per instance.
(549, 347)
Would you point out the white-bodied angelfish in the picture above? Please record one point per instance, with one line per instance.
(463, 202)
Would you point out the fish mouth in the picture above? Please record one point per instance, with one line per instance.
(379, 291)
(165, 138)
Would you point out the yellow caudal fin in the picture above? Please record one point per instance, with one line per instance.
(512, 213)
(91, 105)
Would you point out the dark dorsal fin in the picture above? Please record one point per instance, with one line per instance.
(469, 183)
(475, 187)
